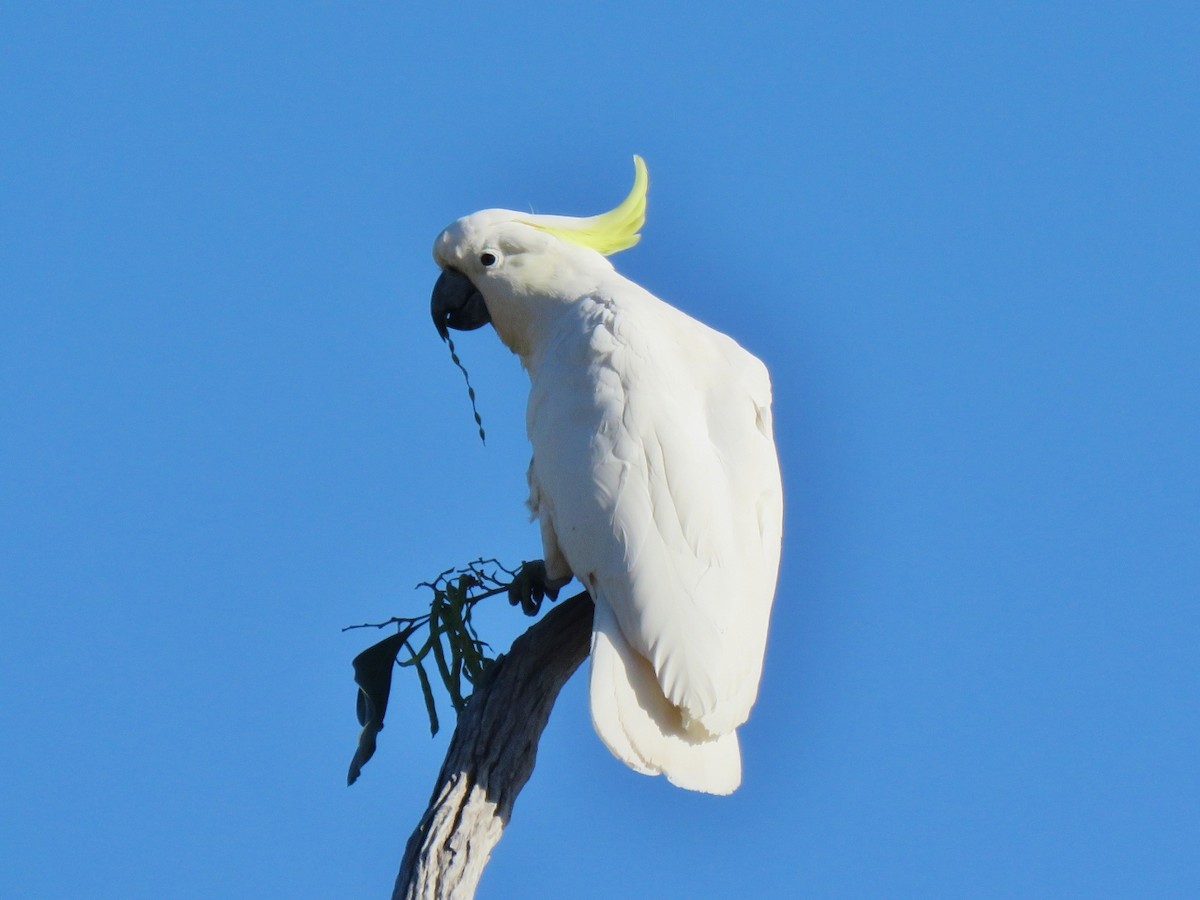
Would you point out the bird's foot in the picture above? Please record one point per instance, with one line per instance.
(531, 584)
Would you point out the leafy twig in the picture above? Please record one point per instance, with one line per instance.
(458, 652)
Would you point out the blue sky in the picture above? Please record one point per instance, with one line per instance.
(964, 238)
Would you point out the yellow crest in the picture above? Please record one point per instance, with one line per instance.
(608, 232)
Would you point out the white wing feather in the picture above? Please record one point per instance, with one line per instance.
(656, 477)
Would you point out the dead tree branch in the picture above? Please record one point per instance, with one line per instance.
(491, 757)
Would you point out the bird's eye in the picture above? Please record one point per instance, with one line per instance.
(487, 259)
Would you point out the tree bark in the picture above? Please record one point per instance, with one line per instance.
(491, 757)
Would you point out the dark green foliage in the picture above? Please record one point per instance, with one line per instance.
(460, 657)
(373, 674)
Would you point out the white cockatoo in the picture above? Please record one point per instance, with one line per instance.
(654, 476)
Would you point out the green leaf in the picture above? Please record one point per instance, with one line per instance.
(427, 690)
(439, 656)
(457, 636)
(373, 675)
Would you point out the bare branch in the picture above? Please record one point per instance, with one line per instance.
(491, 756)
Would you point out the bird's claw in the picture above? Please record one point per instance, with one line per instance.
(530, 586)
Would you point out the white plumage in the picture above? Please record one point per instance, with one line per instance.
(654, 478)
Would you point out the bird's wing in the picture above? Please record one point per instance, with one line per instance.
(653, 447)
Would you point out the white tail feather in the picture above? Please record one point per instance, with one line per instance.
(641, 727)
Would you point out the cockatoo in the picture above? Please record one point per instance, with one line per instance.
(654, 476)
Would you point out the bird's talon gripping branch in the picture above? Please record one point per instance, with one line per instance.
(531, 585)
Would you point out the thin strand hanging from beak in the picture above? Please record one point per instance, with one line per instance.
(470, 390)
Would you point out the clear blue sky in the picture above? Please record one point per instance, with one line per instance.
(964, 237)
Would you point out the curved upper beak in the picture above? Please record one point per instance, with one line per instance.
(457, 304)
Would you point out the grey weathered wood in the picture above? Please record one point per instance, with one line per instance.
(491, 757)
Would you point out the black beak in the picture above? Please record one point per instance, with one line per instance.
(456, 304)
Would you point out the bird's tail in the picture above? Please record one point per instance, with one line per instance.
(641, 727)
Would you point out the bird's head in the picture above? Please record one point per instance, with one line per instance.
(510, 268)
